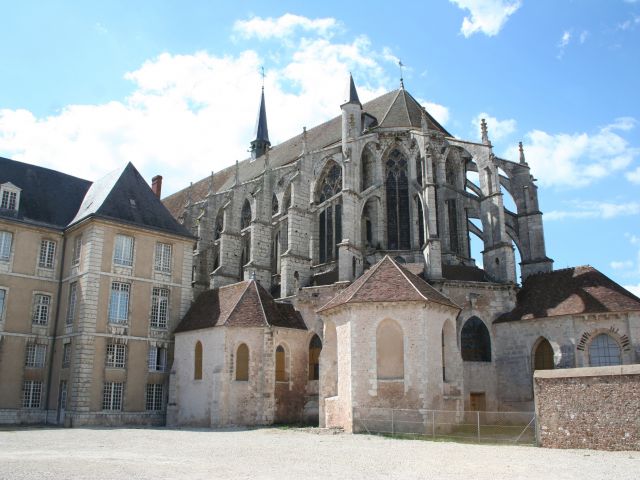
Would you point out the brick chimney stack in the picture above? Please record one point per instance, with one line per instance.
(156, 185)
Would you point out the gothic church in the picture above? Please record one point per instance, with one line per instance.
(333, 276)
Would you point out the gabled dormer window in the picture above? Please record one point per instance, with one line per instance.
(9, 196)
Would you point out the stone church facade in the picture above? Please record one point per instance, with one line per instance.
(362, 226)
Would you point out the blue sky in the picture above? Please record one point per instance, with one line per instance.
(174, 87)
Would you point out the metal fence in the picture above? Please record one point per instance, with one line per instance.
(516, 428)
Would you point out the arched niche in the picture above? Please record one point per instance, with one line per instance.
(389, 351)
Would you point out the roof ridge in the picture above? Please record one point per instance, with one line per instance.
(406, 106)
(236, 304)
(389, 108)
(264, 314)
(407, 279)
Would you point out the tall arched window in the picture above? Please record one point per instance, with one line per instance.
(330, 218)
(604, 351)
(475, 341)
(315, 347)
(543, 356)
(331, 183)
(245, 215)
(419, 170)
(397, 189)
(367, 165)
(274, 205)
(219, 226)
(197, 362)
(281, 364)
(242, 363)
(390, 351)
(286, 200)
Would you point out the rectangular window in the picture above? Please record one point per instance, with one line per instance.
(157, 359)
(123, 251)
(5, 245)
(66, 355)
(35, 355)
(116, 355)
(159, 307)
(9, 200)
(41, 306)
(31, 394)
(163, 258)
(112, 396)
(73, 303)
(119, 303)
(77, 250)
(154, 396)
(47, 254)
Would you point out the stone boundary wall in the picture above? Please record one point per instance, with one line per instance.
(594, 407)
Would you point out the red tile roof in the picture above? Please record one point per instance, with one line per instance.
(570, 291)
(243, 304)
(387, 281)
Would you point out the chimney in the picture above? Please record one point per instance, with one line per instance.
(156, 185)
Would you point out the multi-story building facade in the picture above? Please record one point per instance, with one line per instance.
(93, 279)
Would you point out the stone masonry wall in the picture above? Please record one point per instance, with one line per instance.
(596, 407)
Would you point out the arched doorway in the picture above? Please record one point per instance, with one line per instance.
(543, 356)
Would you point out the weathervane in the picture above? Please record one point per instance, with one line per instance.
(262, 74)
(401, 74)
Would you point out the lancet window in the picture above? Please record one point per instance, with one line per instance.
(397, 190)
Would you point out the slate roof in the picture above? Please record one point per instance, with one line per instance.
(570, 291)
(48, 197)
(124, 196)
(388, 281)
(392, 109)
(243, 304)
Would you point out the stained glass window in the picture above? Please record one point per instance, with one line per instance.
(367, 170)
(475, 341)
(397, 189)
(331, 183)
(604, 351)
(219, 226)
(274, 205)
(419, 170)
(420, 222)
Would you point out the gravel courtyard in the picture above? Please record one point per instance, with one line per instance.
(95, 453)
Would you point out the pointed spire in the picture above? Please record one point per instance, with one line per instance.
(521, 150)
(401, 65)
(304, 140)
(261, 143)
(237, 174)
(353, 93)
(485, 132)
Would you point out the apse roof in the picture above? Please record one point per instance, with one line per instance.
(243, 304)
(570, 291)
(393, 109)
(387, 281)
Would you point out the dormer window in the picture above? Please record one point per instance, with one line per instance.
(9, 196)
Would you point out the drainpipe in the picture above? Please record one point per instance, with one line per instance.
(55, 330)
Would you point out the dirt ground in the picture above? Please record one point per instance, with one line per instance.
(94, 453)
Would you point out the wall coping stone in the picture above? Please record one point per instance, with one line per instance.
(633, 369)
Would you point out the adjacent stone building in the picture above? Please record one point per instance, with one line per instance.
(362, 224)
(93, 280)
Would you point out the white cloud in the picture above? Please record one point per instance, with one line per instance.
(497, 129)
(486, 16)
(562, 44)
(190, 114)
(633, 239)
(283, 26)
(634, 175)
(437, 111)
(577, 159)
(635, 289)
(621, 265)
(630, 23)
(595, 209)
(583, 36)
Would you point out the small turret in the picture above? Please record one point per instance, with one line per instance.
(351, 116)
(485, 132)
(261, 143)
